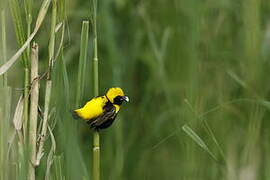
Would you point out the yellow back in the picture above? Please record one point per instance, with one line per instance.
(92, 108)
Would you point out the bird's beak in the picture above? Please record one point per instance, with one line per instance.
(125, 98)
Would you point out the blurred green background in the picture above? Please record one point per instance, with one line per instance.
(199, 63)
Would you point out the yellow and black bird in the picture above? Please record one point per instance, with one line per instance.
(101, 111)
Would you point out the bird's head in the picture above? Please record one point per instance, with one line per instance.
(116, 96)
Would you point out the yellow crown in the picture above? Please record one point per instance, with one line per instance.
(114, 92)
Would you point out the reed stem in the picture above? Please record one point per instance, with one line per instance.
(96, 145)
(48, 84)
(4, 43)
(33, 110)
(96, 156)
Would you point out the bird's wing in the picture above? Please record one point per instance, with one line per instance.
(92, 109)
(109, 113)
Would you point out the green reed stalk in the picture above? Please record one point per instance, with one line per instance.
(6, 97)
(28, 13)
(96, 145)
(26, 102)
(82, 62)
(5, 130)
(96, 156)
(4, 43)
(48, 83)
(2, 105)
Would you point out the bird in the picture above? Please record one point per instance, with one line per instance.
(100, 112)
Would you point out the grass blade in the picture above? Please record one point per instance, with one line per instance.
(19, 28)
(65, 79)
(82, 62)
(198, 140)
(42, 13)
(18, 115)
(266, 104)
(51, 155)
(58, 167)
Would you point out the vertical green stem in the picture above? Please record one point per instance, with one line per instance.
(96, 156)
(252, 39)
(95, 60)
(96, 145)
(4, 43)
(28, 13)
(5, 98)
(26, 101)
(26, 71)
(52, 38)
(29, 22)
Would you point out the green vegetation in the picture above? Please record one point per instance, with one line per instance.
(196, 73)
(96, 138)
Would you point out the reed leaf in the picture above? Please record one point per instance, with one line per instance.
(51, 155)
(82, 62)
(19, 28)
(18, 115)
(198, 140)
(42, 13)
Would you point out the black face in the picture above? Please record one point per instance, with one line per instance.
(119, 100)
